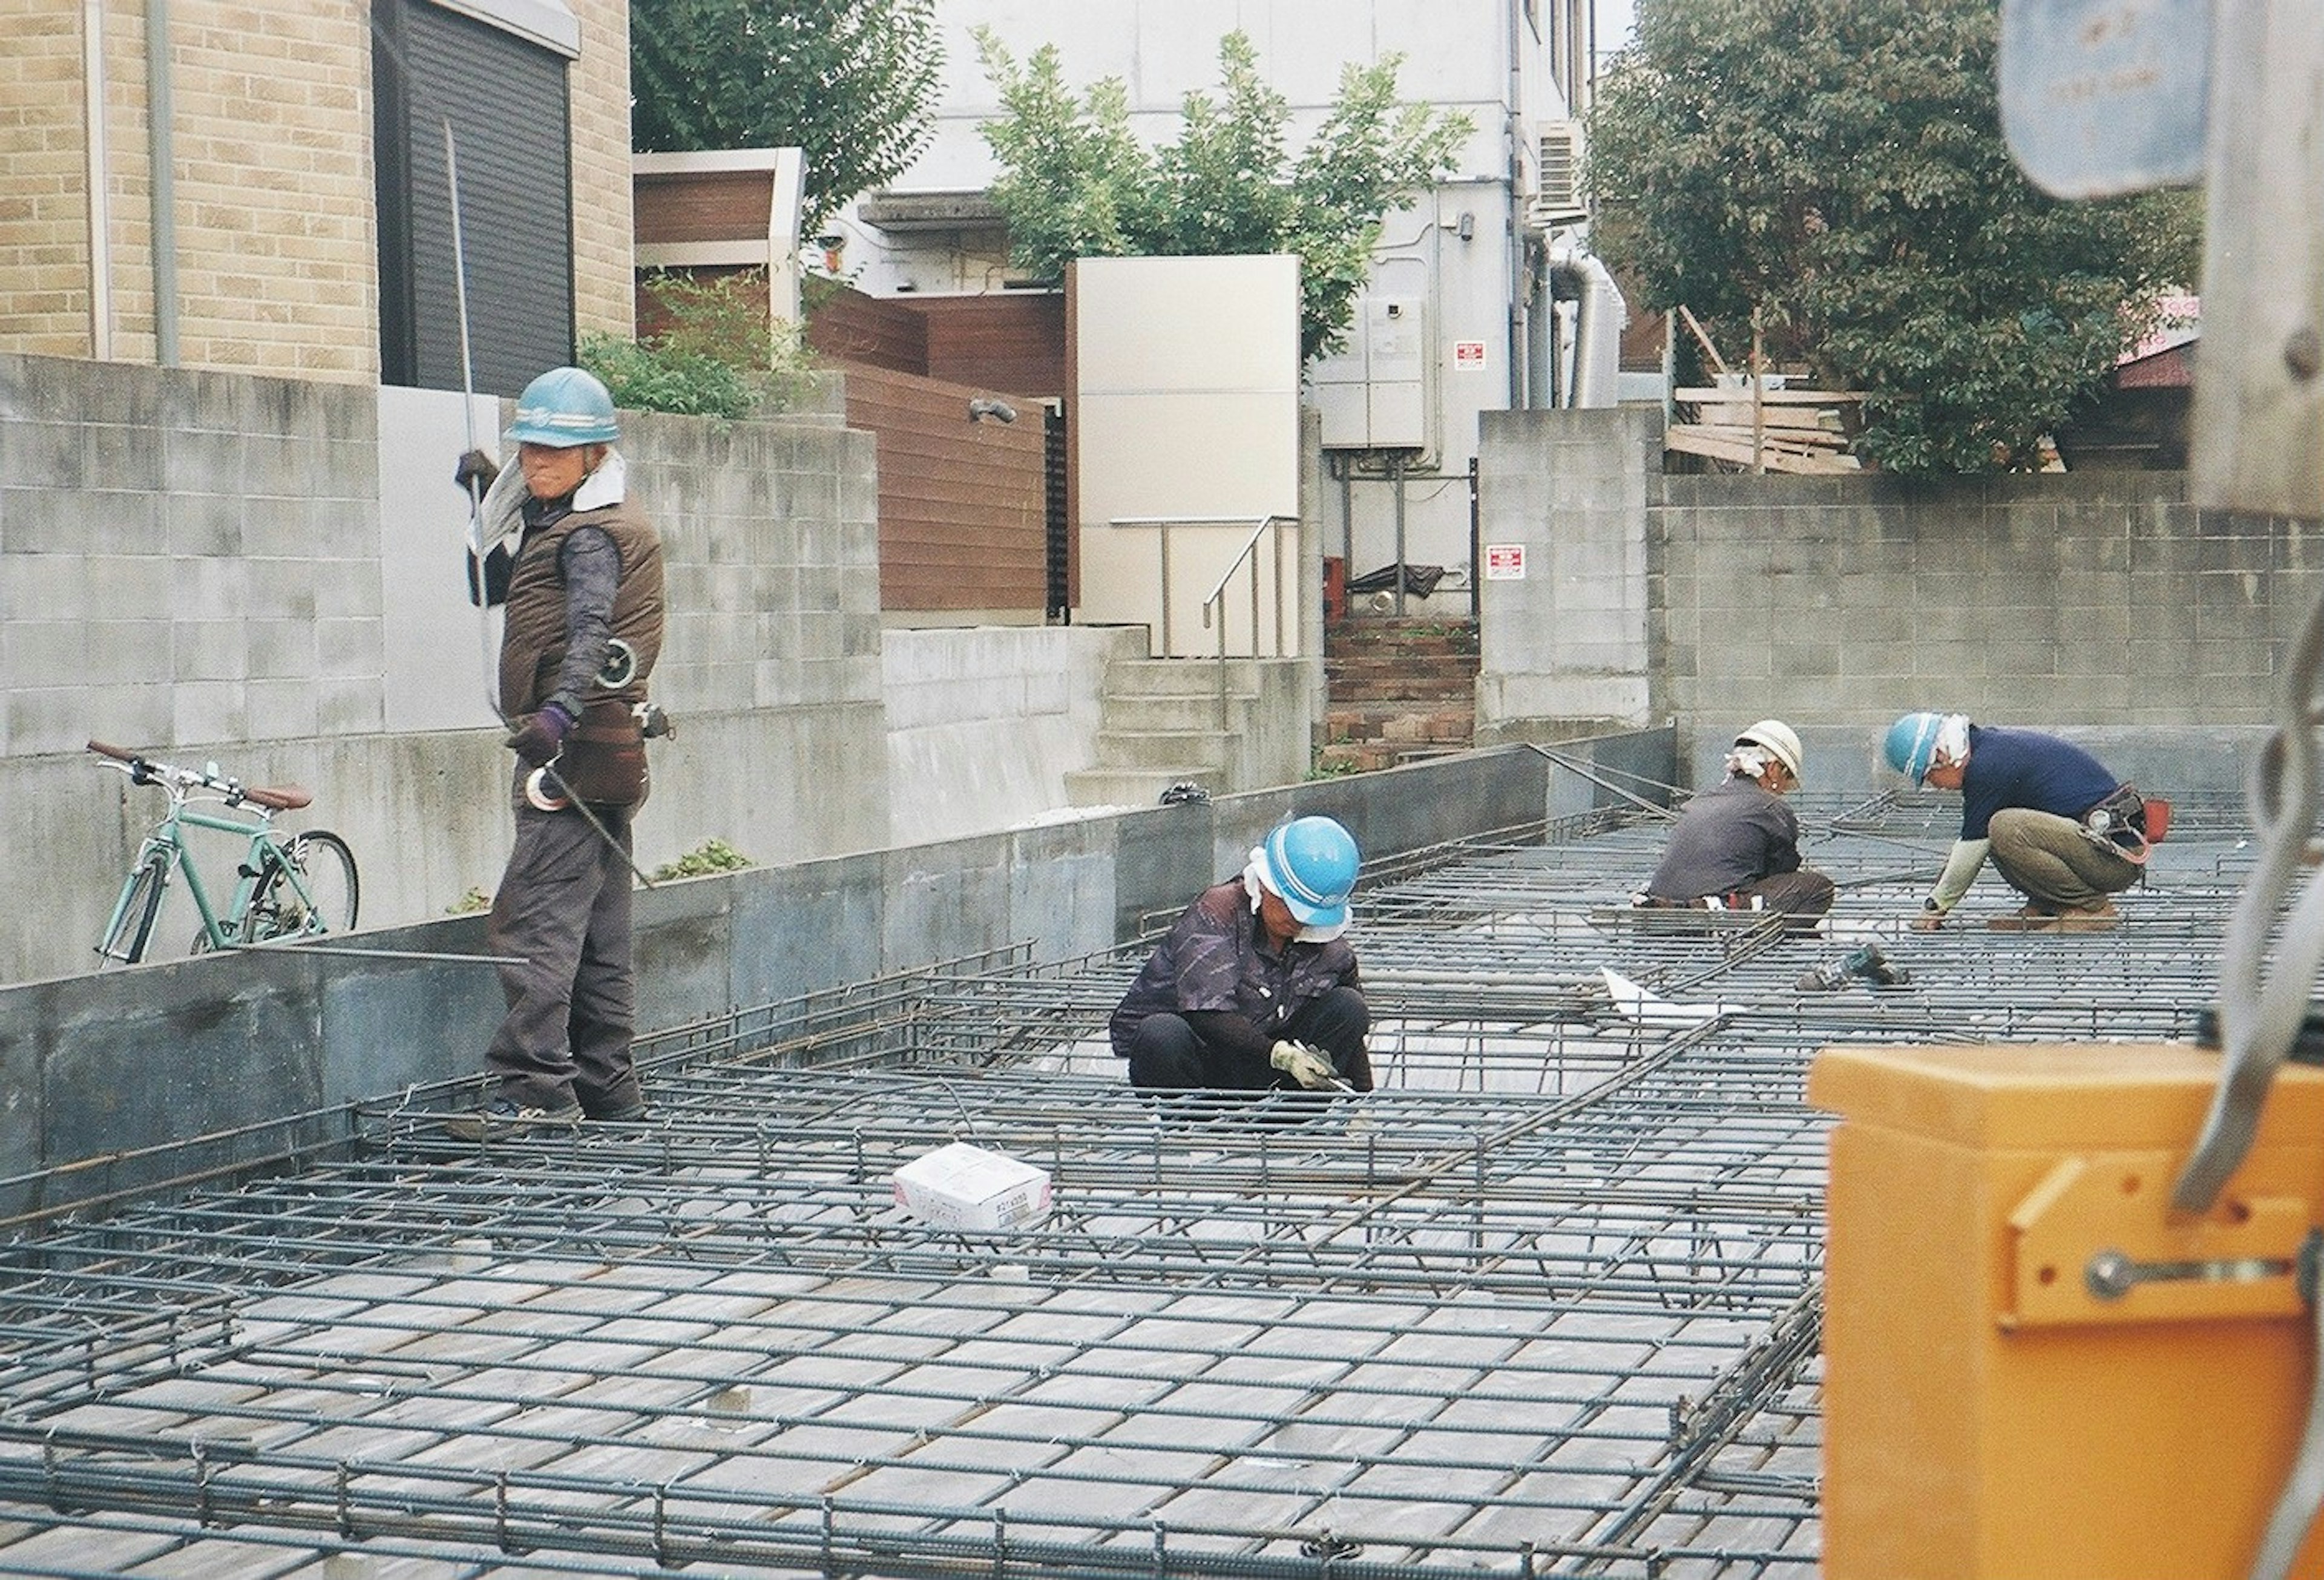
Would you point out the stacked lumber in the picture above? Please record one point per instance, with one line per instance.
(1765, 430)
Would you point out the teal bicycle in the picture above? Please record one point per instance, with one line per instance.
(289, 884)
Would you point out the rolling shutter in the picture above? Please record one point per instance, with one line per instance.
(508, 102)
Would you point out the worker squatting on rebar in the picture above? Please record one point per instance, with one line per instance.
(578, 568)
(2064, 831)
(1255, 987)
(1736, 845)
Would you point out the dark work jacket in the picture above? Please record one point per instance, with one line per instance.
(532, 644)
(1216, 958)
(1736, 833)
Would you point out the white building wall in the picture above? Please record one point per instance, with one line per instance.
(1486, 58)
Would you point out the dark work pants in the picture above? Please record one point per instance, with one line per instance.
(563, 911)
(1166, 1054)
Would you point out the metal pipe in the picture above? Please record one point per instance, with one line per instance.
(1598, 327)
(160, 135)
(100, 218)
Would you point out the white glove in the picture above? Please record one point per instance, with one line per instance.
(1304, 1065)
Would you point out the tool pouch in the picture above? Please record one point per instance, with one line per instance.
(605, 759)
(2119, 822)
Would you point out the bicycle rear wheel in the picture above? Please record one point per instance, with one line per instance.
(321, 899)
(131, 923)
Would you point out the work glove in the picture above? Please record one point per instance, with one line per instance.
(539, 737)
(1304, 1065)
(475, 471)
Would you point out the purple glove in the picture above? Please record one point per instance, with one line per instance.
(541, 735)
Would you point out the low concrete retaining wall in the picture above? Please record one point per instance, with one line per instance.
(95, 1069)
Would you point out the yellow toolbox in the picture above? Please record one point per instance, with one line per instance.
(2032, 1369)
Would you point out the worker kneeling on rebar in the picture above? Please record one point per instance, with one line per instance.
(1736, 845)
(2065, 832)
(1255, 987)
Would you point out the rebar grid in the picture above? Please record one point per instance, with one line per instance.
(1544, 1304)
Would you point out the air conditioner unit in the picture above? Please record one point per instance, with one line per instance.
(1557, 196)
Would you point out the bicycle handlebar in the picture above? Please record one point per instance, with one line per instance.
(143, 771)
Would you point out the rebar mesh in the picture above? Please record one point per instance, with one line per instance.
(1544, 1304)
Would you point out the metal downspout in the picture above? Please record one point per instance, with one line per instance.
(1514, 251)
(160, 132)
(100, 224)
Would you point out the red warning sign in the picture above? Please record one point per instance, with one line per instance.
(1505, 562)
(1469, 356)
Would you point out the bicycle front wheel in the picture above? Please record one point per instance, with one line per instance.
(307, 885)
(132, 914)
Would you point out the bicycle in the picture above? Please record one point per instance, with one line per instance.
(290, 885)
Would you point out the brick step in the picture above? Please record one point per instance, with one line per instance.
(1438, 635)
(1461, 694)
(1429, 672)
(1400, 724)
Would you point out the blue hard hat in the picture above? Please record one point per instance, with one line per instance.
(564, 407)
(1311, 862)
(1912, 744)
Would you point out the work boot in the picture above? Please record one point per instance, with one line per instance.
(505, 1118)
(2098, 918)
(2033, 916)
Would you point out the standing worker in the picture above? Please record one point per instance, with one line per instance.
(1736, 845)
(1254, 988)
(579, 570)
(2064, 833)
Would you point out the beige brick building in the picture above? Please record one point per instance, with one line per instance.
(275, 184)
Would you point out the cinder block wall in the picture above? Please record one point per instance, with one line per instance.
(195, 564)
(275, 189)
(2100, 604)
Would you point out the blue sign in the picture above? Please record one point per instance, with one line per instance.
(2105, 97)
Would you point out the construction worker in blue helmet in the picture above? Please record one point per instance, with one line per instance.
(2062, 830)
(1255, 987)
(557, 541)
(1736, 843)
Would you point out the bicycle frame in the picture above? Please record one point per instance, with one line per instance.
(164, 851)
(219, 927)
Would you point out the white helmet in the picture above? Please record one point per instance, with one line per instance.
(1776, 735)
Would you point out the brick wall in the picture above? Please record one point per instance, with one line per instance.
(275, 198)
(603, 294)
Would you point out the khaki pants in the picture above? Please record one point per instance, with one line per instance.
(2050, 861)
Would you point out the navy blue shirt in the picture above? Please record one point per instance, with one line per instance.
(2026, 768)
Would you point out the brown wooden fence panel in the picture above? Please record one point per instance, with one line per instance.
(960, 501)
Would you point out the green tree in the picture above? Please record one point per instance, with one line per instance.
(1076, 183)
(849, 81)
(1836, 168)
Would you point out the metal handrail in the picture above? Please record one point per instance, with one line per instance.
(1216, 598)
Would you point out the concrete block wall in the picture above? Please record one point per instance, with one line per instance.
(197, 564)
(2103, 604)
(2100, 602)
(1570, 639)
(157, 1055)
(275, 202)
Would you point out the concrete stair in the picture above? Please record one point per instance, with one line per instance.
(1397, 691)
(1161, 726)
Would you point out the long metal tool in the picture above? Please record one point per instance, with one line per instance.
(476, 508)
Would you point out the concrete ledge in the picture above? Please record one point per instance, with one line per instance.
(225, 1047)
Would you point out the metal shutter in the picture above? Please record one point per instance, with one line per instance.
(511, 114)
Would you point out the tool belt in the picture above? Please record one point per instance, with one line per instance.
(605, 759)
(1738, 901)
(2127, 822)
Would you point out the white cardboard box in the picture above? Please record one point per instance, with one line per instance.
(964, 1187)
